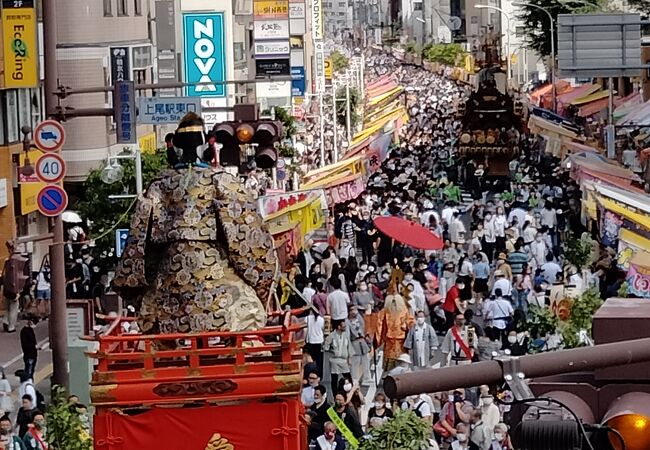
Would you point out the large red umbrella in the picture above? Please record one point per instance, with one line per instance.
(408, 233)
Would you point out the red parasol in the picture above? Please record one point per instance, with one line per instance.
(408, 233)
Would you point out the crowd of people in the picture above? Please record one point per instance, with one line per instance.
(375, 299)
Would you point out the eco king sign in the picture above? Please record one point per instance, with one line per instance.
(205, 54)
(19, 44)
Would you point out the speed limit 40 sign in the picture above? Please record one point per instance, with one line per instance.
(50, 168)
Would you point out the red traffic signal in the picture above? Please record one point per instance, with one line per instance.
(262, 133)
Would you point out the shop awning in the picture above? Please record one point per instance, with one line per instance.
(378, 99)
(606, 168)
(637, 115)
(640, 219)
(380, 81)
(590, 98)
(578, 149)
(577, 92)
(638, 201)
(560, 85)
(541, 126)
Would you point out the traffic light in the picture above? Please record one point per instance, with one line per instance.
(608, 408)
(262, 134)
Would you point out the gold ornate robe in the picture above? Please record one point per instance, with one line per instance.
(199, 254)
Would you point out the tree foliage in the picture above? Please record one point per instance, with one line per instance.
(339, 61)
(64, 429)
(405, 431)
(341, 106)
(104, 214)
(578, 251)
(580, 320)
(449, 54)
(537, 24)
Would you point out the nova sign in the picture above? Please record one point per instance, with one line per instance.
(205, 55)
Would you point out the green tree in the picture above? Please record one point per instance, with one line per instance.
(405, 431)
(107, 215)
(537, 25)
(289, 130)
(578, 251)
(449, 54)
(583, 309)
(64, 429)
(339, 61)
(341, 107)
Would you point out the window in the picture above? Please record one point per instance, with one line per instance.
(108, 8)
(142, 57)
(11, 106)
(137, 7)
(24, 108)
(417, 6)
(140, 76)
(122, 8)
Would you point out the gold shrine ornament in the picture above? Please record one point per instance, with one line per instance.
(219, 443)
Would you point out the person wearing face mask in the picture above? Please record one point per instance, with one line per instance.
(517, 343)
(490, 413)
(421, 342)
(480, 434)
(459, 344)
(330, 440)
(13, 442)
(346, 419)
(462, 441)
(417, 301)
(35, 439)
(501, 439)
(362, 298)
(379, 409)
(489, 236)
(360, 364)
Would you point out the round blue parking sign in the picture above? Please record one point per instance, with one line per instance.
(52, 200)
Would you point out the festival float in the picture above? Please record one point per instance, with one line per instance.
(206, 364)
(491, 118)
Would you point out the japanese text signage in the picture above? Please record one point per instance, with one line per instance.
(270, 9)
(205, 55)
(317, 20)
(296, 10)
(19, 44)
(124, 105)
(166, 44)
(120, 64)
(271, 29)
(298, 82)
(272, 48)
(319, 70)
(159, 110)
(638, 281)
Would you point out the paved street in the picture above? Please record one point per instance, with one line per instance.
(11, 358)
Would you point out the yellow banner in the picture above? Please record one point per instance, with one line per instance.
(271, 9)
(328, 69)
(20, 48)
(29, 186)
(148, 143)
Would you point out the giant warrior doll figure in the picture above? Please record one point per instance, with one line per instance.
(199, 256)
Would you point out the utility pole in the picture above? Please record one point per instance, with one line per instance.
(321, 123)
(335, 152)
(58, 318)
(348, 113)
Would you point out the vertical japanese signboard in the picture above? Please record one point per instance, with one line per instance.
(125, 113)
(271, 37)
(19, 44)
(120, 64)
(205, 54)
(166, 44)
(317, 20)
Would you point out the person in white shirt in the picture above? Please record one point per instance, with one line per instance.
(500, 313)
(489, 236)
(308, 291)
(491, 415)
(307, 394)
(420, 407)
(26, 386)
(337, 301)
(550, 269)
(538, 250)
(315, 337)
(502, 283)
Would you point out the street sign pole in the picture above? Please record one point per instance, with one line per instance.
(58, 318)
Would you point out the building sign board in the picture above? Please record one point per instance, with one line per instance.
(205, 54)
(160, 110)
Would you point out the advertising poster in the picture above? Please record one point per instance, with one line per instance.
(205, 54)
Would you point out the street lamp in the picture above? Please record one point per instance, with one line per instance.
(552, 22)
(507, 16)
